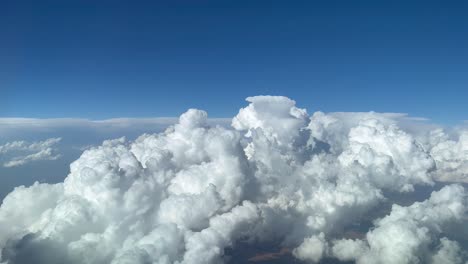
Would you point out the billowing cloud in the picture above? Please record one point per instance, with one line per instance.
(407, 234)
(18, 153)
(277, 175)
(450, 155)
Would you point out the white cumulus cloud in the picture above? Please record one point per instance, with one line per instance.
(407, 234)
(277, 175)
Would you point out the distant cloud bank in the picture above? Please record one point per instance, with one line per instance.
(275, 175)
(10, 125)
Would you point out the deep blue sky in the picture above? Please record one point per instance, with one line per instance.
(101, 59)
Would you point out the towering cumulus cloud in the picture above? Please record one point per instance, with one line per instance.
(277, 176)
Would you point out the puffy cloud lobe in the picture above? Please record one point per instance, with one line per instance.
(191, 211)
(187, 194)
(407, 233)
(207, 246)
(21, 209)
(450, 155)
(277, 116)
(312, 249)
(449, 252)
(18, 153)
(389, 154)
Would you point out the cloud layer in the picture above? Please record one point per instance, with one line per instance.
(18, 153)
(278, 174)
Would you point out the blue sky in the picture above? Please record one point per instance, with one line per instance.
(102, 59)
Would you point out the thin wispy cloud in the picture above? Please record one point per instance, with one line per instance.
(19, 153)
(18, 123)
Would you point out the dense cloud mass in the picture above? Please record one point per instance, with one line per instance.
(187, 194)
